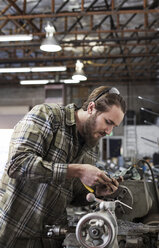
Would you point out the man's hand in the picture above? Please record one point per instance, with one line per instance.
(109, 188)
(88, 174)
(92, 176)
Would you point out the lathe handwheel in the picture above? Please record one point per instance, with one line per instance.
(95, 231)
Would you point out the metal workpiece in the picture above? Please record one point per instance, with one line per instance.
(52, 231)
(98, 229)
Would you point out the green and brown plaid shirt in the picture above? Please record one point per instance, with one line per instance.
(34, 190)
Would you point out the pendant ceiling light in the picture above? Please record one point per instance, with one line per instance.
(79, 73)
(50, 44)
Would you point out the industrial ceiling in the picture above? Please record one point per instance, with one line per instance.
(116, 40)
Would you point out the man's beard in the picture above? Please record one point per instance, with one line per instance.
(87, 131)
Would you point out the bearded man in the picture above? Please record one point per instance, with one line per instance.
(52, 155)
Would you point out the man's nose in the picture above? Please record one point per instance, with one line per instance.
(108, 130)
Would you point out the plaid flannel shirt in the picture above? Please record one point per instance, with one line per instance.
(34, 190)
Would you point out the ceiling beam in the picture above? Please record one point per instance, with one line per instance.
(73, 58)
(78, 14)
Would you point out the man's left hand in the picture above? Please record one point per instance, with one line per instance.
(108, 189)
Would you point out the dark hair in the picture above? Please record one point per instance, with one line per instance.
(104, 98)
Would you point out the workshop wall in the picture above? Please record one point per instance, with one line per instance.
(30, 96)
(147, 140)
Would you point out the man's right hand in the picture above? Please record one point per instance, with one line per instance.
(88, 174)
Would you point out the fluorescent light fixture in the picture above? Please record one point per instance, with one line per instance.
(49, 68)
(33, 69)
(50, 44)
(16, 37)
(46, 81)
(70, 81)
(11, 70)
(28, 82)
(35, 82)
(79, 74)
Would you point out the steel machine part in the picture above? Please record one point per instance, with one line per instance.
(98, 229)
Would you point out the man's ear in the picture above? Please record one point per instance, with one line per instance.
(91, 108)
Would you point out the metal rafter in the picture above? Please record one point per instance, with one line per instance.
(125, 47)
